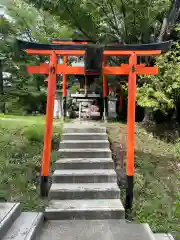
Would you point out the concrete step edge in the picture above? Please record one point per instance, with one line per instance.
(85, 150)
(26, 227)
(72, 187)
(62, 192)
(9, 218)
(88, 134)
(85, 204)
(81, 163)
(84, 160)
(83, 128)
(163, 236)
(85, 141)
(86, 130)
(84, 172)
(100, 229)
(36, 227)
(148, 230)
(85, 209)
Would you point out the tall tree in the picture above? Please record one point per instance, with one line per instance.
(127, 21)
(23, 20)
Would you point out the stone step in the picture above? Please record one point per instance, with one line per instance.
(85, 209)
(95, 230)
(84, 129)
(84, 163)
(26, 227)
(163, 236)
(84, 144)
(83, 136)
(9, 212)
(84, 176)
(85, 153)
(62, 191)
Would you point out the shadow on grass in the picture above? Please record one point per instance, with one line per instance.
(168, 132)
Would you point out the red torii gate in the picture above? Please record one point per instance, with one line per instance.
(70, 48)
(65, 60)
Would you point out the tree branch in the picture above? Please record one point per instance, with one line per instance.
(76, 21)
(124, 16)
(112, 26)
(114, 15)
(110, 22)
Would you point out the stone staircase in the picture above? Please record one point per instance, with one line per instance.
(84, 182)
(84, 197)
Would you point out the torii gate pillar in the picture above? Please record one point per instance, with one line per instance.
(49, 125)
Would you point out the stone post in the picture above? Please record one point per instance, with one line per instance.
(58, 112)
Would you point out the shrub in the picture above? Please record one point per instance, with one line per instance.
(35, 133)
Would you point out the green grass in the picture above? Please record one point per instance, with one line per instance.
(21, 145)
(32, 119)
(157, 179)
(26, 118)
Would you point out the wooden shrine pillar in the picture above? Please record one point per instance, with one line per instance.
(49, 125)
(131, 131)
(65, 60)
(105, 91)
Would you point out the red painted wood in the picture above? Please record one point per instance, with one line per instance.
(82, 52)
(49, 117)
(131, 115)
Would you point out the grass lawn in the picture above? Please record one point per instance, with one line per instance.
(26, 118)
(157, 178)
(21, 145)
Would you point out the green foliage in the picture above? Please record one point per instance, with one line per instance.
(157, 185)
(128, 21)
(35, 133)
(22, 20)
(160, 92)
(75, 88)
(37, 25)
(21, 145)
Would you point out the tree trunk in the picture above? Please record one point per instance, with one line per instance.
(169, 21)
(148, 116)
(163, 30)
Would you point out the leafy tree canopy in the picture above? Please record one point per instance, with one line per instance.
(161, 92)
(23, 20)
(127, 21)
